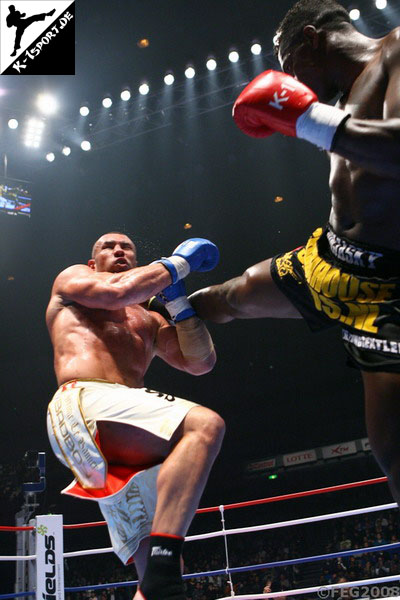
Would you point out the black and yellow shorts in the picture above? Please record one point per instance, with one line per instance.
(333, 281)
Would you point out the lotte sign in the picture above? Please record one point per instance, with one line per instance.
(299, 458)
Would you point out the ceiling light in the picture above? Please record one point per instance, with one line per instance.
(33, 133)
(354, 14)
(256, 49)
(190, 73)
(125, 95)
(47, 104)
(169, 79)
(144, 89)
(211, 64)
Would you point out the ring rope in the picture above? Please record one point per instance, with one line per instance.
(6, 528)
(318, 588)
(309, 590)
(17, 595)
(324, 490)
(213, 534)
(279, 563)
(19, 557)
(325, 517)
(248, 568)
(79, 525)
(85, 552)
(224, 532)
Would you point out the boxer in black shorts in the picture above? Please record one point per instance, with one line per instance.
(332, 281)
(349, 274)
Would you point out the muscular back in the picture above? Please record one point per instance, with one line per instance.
(365, 205)
(116, 345)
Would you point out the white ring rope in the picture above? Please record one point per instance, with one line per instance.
(213, 534)
(87, 552)
(319, 588)
(32, 557)
(326, 517)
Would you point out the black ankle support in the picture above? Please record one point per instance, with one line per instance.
(162, 579)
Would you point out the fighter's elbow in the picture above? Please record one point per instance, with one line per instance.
(202, 367)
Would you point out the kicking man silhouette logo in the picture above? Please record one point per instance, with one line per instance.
(15, 19)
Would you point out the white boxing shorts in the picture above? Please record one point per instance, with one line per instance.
(71, 422)
(157, 413)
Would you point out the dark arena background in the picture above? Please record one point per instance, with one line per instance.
(164, 166)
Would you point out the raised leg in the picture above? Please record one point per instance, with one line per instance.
(187, 460)
(252, 295)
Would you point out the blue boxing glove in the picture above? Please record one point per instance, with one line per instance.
(195, 254)
(175, 301)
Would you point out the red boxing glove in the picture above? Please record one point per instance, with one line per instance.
(275, 101)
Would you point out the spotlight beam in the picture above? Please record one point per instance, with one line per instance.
(223, 93)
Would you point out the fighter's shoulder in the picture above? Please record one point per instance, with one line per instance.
(69, 273)
(391, 49)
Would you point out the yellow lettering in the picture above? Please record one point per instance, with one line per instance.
(385, 291)
(300, 255)
(369, 324)
(361, 316)
(348, 287)
(369, 289)
(309, 267)
(330, 283)
(316, 299)
(330, 308)
(318, 276)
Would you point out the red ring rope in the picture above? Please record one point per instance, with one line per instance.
(325, 490)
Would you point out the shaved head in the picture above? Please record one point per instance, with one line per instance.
(98, 242)
(113, 252)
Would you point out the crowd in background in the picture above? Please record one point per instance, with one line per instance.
(335, 536)
(369, 530)
(365, 531)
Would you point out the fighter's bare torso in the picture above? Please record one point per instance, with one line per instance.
(365, 205)
(115, 345)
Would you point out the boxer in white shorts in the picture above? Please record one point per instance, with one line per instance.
(112, 432)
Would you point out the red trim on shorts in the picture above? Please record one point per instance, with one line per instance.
(170, 535)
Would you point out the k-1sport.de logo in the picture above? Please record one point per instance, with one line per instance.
(37, 37)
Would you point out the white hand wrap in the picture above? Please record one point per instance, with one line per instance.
(319, 123)
(181, 265)
(194, 339)
(178, 306)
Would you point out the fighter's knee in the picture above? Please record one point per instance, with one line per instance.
(216, 427)
(210, 426)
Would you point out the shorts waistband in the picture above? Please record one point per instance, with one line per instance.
(360, 258)
(85, 380)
